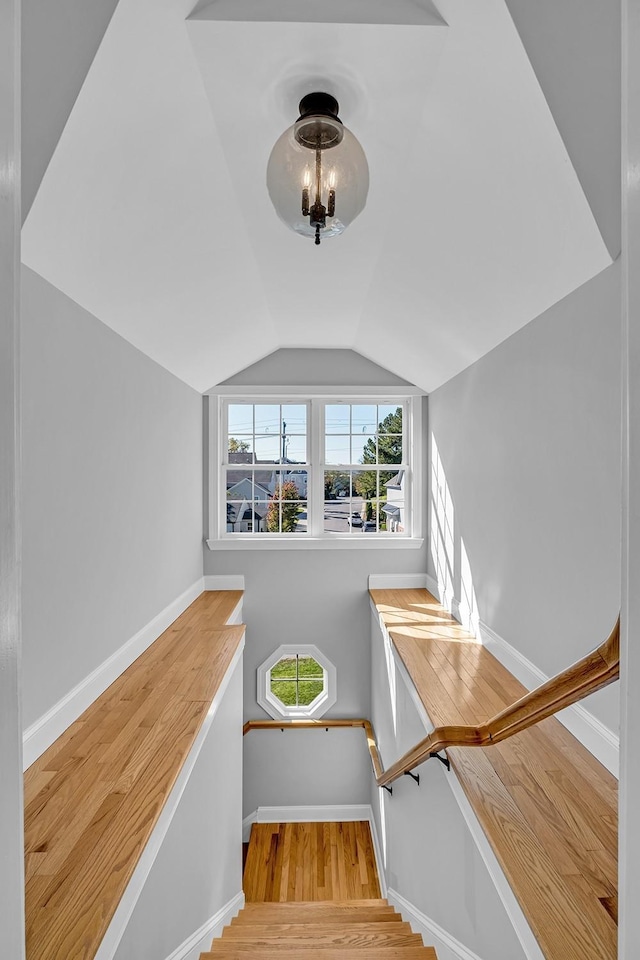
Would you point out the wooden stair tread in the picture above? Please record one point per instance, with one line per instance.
(356, 915)
(327, 939)
(93, 798)
(547, 806)
(315, 904)
(297, 929)
(319, 953)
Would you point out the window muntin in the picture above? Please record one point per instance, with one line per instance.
(318, 468)
(296, 681)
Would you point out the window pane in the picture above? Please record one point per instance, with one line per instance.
(389, 419)
(245, 516)
(336, 484)
(285, 516)
(240, 418)
(364, 418)
(286, 667)
(308, 690)
(285, 691)
(268, 418)
(308, 667)
(337, 449)
(363, 449)
(262, 484)
(390, 435)
(337, 418)
(295, 417)
(240, 448)
(296, 449)
(267, 448)
(290, 484)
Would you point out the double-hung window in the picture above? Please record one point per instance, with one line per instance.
(298, 469)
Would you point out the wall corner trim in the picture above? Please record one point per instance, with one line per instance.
(234, 581)
(433, 934)
(41, 734)
(397, 581)
(200, 941)
(591, 732)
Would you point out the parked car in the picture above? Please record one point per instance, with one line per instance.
(355, 520)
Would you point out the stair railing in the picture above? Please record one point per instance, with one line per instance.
(591, 673)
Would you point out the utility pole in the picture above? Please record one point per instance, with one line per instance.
(284, 440)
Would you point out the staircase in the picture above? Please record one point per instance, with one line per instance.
(327, 930)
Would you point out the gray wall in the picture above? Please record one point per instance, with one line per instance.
(529, 442)
(307, 596)
(629, 836)
(11, 812)
(112, 495)
(574, 48)
(429, 855)
(199, 867)
(59, 42)
(329, 767)
(296, 367)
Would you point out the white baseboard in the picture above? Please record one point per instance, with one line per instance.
(591, 732)
(447, 947)
(200, 941)
(41, 734)
(444, 593)
(397, 581)
(377, 850)
(329, 813)
(233, 581)
(115, 931)
(433, 587)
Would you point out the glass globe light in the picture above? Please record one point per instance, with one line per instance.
(317, 175)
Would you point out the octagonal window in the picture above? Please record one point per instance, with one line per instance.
(296, 681)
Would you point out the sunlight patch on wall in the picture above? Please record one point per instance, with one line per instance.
(442, 528)
(468, 606)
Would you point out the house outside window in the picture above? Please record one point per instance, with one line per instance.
(305, 469)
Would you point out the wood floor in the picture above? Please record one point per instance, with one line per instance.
(92, 800)
(310, 862)
(548, 808)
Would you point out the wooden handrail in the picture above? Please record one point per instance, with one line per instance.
(591, 673)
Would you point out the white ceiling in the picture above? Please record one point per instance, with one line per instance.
(153, 212)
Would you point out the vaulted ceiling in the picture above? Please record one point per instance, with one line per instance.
(492, 137)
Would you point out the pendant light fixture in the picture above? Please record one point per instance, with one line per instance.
(317, 175)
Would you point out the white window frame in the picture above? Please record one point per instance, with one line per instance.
(316, 538)
(318, 707)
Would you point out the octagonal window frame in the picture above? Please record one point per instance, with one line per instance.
(272, 704)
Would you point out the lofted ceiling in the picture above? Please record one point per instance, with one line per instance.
(153, 214)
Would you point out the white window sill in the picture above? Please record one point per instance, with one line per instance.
(366, 542)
